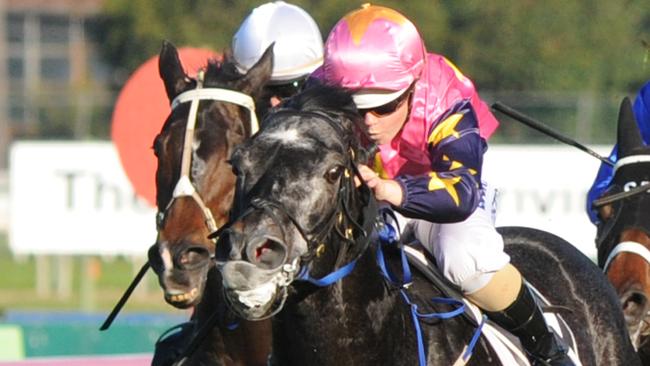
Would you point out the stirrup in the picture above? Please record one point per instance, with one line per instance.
(550, 350)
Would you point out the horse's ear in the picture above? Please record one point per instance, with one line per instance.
(171, 71)
(260, 73)
(628, 137)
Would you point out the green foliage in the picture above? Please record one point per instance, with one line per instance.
(585, 45)
(550, 45)
(133, 30)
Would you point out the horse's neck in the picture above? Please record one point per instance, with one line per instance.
(360, 320)
(353, 321)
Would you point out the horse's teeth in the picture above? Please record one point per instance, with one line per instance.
(184, 296)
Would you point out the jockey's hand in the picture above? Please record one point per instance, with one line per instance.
(384, 189)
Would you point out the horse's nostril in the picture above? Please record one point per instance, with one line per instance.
(267, 253)
(634, 304)
(193, 258)
(262, 249)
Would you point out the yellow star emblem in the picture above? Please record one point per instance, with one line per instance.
(445, 129)
(447, 184)
(359, 21)
(457, 165)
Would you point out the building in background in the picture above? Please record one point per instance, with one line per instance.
(53, 83)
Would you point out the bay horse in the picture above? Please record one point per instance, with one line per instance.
(623, 237)
(298, 249)
(211, 114)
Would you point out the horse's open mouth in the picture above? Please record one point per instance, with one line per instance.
(256, 304)
(180, 298)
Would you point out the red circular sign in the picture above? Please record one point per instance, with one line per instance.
(140, 111)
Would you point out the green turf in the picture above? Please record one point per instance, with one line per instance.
(111, 276)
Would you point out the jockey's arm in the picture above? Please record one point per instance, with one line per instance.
(450, 192)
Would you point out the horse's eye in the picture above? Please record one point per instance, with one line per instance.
(334, 174)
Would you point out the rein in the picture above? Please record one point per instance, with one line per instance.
(184, 187)
(288, 271)
(314, 241)
(388, 236)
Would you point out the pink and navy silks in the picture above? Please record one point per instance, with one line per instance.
(439, 169)
(378, 53)
(438, 155)
(605, 173)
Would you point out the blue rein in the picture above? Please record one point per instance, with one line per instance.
(388, 236)
(331, 278)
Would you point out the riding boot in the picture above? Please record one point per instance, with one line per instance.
(524, 319)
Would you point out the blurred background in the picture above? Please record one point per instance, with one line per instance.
(63, 64)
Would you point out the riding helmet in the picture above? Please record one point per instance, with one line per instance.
(298, 48)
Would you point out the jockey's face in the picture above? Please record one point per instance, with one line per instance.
(383, 127)
(275, 100)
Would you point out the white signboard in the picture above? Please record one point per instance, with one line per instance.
(74, 198)
(545, 187)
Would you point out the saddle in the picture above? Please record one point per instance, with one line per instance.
(506, 345)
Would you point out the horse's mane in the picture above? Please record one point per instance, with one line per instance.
(220, 72)
(337, 104)
(329, 100)
(324, 98)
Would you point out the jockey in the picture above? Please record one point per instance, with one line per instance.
(606, 172)
(431, 128)
(298, 48)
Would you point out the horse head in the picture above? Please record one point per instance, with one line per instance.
(294, 201)
(624, 231)
(211, 114)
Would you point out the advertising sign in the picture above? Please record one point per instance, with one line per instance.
(74, 198)
(544, 187)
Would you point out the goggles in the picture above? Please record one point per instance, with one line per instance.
(388, 108)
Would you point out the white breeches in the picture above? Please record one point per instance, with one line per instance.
(469, 252)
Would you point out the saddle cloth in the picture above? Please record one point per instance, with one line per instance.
(506, 345)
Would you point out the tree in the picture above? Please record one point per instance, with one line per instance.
(592, 45)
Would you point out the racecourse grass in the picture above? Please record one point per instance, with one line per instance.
(96, 285)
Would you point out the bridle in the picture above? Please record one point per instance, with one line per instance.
(624, 217)
(353, 234)
(184, 186)
(299, 268)
(605, 238)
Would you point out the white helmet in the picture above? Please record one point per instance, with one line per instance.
(298, 46)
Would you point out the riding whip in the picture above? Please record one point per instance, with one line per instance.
(125, 297)
(539, 126)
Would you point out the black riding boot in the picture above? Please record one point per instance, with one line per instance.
(524, 319)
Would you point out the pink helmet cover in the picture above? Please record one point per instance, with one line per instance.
(373, 48)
